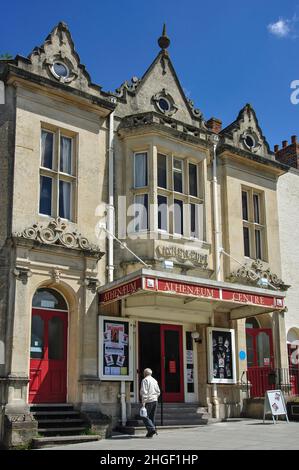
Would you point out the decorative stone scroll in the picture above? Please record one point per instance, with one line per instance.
(255, 273)
(57, 232)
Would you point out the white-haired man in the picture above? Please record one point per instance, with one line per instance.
(149, 392)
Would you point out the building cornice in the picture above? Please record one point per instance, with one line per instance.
(12, 74)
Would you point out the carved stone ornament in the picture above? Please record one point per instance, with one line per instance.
(128, 86)
(256, 274)
(170, 108)
(22, 274)
(57, 232)
(92, 284)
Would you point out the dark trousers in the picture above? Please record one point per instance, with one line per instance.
(149, 421)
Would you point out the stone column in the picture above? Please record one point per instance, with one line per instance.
(280, 340)
(19, 425)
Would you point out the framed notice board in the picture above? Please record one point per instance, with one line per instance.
(221, 355)
(115, 349)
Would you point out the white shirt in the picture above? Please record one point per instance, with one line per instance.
(149, 389)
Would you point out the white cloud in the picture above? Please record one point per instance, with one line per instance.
(280, 28)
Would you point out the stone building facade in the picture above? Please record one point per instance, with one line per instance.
(288, 196)
(192, 252)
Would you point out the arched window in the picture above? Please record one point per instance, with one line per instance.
(252, 322)
(50, 299)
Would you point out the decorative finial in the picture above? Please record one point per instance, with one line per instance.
(164, 40)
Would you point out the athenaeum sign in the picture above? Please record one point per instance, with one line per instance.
(182, 255)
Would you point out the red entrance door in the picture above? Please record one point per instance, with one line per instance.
(260, 360)
(172, 374)
(48, 356)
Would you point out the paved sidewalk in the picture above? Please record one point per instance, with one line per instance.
(232, 434)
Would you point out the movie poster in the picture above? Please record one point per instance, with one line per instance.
(222, 365)
(114, 336)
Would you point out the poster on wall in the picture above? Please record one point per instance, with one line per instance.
(221, 355)
(115, 344)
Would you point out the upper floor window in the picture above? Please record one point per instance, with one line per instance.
(57, 175)
(140, 170)
(253, 214)
(162, 171)
(178, 175)
(141, 213)
(193, 180)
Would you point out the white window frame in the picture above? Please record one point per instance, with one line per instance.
(167, 168)
(144, 230)
(54, 173)
(167, 214)
(145, 152)
(176, 170)
(252, 225)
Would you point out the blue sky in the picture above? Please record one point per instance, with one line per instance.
(226, 53)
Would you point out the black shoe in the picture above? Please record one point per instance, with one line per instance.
(151, 433)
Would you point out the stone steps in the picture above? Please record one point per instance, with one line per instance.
(58, 419)
(41, 442)
(175, 416)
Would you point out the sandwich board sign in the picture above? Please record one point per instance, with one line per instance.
(275, 404)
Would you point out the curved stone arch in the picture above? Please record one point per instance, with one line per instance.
(293, 335)
(265, 320)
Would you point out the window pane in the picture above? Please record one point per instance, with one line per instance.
(162, 171)
(194, 220)
(45, 200)
(162, 213)
(246, 241)
(65, 199)
(140, 170)
(37, 337)
(258, 244)
(47, 298)
(178, 182)
(66, 155)
(47, 139)
(263, 349)
(244, 205)
(141, 212)
(177, 164)
(178, 216)
(192, 179)
(56, 338)
(178, 175)
(256, 208)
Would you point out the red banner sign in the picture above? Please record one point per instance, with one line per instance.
(251, 299)
(121, 291)
(193, 290)
(190, 290)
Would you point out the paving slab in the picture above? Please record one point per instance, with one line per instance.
(231, 434)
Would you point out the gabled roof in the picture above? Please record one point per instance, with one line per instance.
(238, 124)
(163, 63)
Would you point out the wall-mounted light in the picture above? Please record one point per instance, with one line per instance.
(196, 337)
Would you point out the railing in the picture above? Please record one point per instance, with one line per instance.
(256, 380)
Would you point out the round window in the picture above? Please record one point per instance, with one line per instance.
(249, 141)
(164, 104)
(60, 70)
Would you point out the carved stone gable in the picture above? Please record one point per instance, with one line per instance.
(56, 59)
(57, 232)
(256, 274)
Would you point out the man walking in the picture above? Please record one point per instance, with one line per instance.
(149, 392)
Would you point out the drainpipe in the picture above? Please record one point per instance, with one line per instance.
(111, 235)
(215, 140)
(110, 221)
